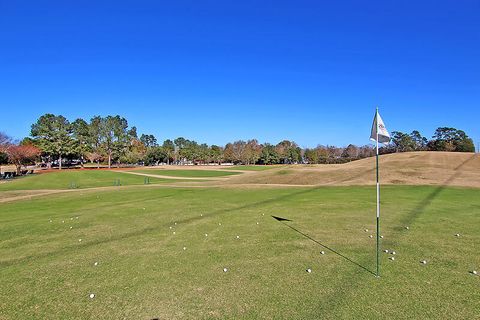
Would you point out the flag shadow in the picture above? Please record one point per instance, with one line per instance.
(323, 245)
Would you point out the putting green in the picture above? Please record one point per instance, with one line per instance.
(144, 272)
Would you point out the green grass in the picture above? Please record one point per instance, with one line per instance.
(144, 272)
(75, 178)
(187, 173)
(252, 168)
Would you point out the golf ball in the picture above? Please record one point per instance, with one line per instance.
(206, 234)
(393, 252)
(370, 236)
(407, 228)
(309, 270)
(170, 228)
(76, 217)
(392, 258)
(79, 240)
(225, 269)
(257, 223)
(366, 230)
(381, 237)
(474, 272)
(175, 223)
(219, 224)
(201, 215)
(457, 235)
(95, 264)
(238, 237)
(322, 252)
(92, 295)
(173, 232)
(71, 227)
(50, 220)
(386, 251)
(424, 261)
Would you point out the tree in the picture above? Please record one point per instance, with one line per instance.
(81, 136)
(216, 154)
(351, 152)
(114, 137)
(269, 155)
(451, 139)
(253, 150)
(289, 151)
(169, 149)
(149, 140)
(53, 135)
(95, 140)
(21, 155)
(419, 141)
(403, 142)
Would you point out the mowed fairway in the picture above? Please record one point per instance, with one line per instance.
(161, 254)
(188, 173)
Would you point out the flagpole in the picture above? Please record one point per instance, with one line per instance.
(378, 203)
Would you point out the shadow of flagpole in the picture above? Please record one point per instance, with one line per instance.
(321, 244)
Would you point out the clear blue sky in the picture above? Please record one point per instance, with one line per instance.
(217, 71)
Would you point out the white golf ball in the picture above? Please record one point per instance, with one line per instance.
(457, 235)
(71, 227)
(79, 240)
(238, 237)
(386, 251)
(407, 228)
(392, 258)
(175, 223)
(173, 232)
(143, 208)
(309, 270)
(95, 264)
(219, 224)
(71, 218)
(171, 228)
(257, 223)
(201, 214)
(206, 234)
(424, 261)
(76, 217)
(322, 252)
(63, 221)
(474, 272)
(381, 237)
(92, 295)
(225, 269)
(366, 230)
(184, 248)
(370, 236)
(393, 252)
(50, 220)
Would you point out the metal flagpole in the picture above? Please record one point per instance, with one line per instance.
(378, 205)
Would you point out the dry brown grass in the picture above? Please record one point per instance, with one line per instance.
(412, 168)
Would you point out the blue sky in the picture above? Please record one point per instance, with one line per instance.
(218, 71)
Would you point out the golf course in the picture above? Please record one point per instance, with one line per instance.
(202, 242)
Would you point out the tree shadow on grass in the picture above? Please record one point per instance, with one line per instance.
(420, 208)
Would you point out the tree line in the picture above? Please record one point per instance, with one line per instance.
(110, 140)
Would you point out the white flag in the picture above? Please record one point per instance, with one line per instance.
(379, 126)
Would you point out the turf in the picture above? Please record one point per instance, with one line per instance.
(188, 173)
(144, 273)
(253, 168)
(74, 179)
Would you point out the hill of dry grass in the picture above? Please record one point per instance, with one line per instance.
(412, 168)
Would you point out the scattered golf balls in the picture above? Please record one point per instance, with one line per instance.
(171, 228)
(309, 270)
(175, 223)
(392, 258)
(95, 264)
(386, 251)
(225, 269)
(393, 252)
(423, 262)
(370, 236)
(92, 295)
(475, 272)
(322, 252)
(366, 230)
